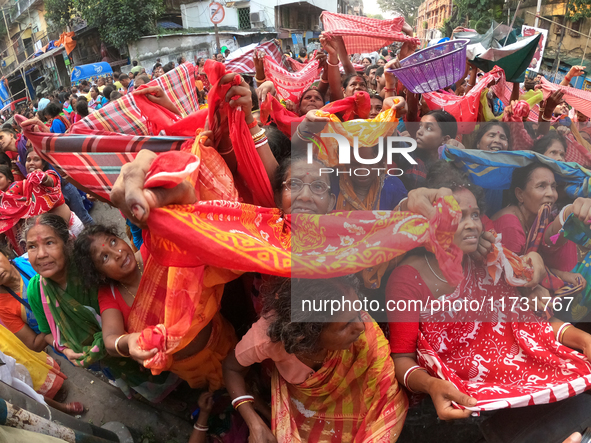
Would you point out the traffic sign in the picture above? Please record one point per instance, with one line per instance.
(217, 13)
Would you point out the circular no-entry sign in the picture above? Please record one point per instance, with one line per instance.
(217, 13)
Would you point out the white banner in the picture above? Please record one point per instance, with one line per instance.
(528, 31)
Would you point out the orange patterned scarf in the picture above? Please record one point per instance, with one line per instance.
(355, 395)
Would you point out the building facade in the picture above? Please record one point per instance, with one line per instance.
(575, 47)
(430, 18)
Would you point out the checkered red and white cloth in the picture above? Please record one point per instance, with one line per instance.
(578, 99)
(291, 85)
(363, 34)
(245, 65)
(123, 115)
(294, 64)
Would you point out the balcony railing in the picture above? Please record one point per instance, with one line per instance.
(19, 8)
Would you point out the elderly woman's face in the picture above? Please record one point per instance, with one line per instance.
(345, 328)
(46, 252)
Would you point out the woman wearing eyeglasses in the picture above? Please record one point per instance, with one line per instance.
(301, 188)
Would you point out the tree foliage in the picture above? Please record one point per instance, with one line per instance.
(406, 8)
(474, 14)
(578, 9)
(117, 21)
(58, 13)
(378, 16)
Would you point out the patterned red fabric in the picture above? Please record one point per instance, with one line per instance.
(294, 64)
(501, 362)
(291, 85)
(577, 153)
(250, 168)
(25, 199)
(465, 108)
(123, 115)
(505, 95)
(363, 34)
(244, 64)
(577, 98)
(283, 118)
(94, 161)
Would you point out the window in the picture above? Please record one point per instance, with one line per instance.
(575, 26)
(244, 18)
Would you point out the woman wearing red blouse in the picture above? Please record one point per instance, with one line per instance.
(462, 361)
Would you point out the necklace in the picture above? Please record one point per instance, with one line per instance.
(429, 264)
(126, 288)
(128, 291)
(521, 219)
(314, 361)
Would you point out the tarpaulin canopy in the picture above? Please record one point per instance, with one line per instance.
(514, 58)
(92, 70)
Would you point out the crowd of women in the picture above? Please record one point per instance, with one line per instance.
(257, 213)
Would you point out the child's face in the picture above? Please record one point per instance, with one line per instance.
(4, 182)
(429, 135)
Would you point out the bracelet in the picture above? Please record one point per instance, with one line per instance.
(561, 215)
(117, 345)
(389, 89)
(237, 405)
(560, 332)
(242, 397)
(226, 152)
(323, 81)
(258, 135)
(261, 81)
(545, 119)
(331, 64)
(253, 124)
(263, 141)
(400, 204)
(198, 427)
(407, 375)
(568, 79)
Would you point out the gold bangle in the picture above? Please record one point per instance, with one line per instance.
(243, 402)
(562, 333)
(261, 81)
(117, 346)
(258, 135)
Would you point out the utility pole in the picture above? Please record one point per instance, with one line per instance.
(557, 58)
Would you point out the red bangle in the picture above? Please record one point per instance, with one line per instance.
(253, 124)
(389, 89)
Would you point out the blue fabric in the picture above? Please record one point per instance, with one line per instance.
(498, 106)
(27, 272)
(85, 72)
(494, 170)
(74, 201)
(136, 232)
(57, 126)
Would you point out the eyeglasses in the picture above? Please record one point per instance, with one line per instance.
(295, 185)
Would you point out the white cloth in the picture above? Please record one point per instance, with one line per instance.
(16, 375)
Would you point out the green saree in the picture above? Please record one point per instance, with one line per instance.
(72, 316)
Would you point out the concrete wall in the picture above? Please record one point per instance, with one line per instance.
(168, 48)
(573, 46)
